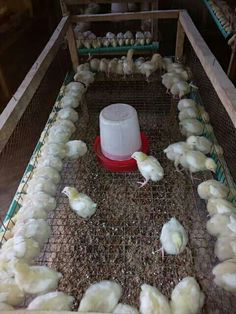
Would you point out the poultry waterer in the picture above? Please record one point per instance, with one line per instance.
(119, 138)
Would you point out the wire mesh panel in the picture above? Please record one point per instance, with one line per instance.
(121, 240)
(17, 152)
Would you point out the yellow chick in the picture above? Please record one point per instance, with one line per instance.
(169, 79)
(10, 292)
(112, 66)
(187, 297)
(186, 103)
(101, 297)
(222, 225)
(225, 247)
(190, 127)
(128, 63)
(180, 89)
(153, 301)
(94, 64)
(6, 307)
(225, 275)
(200, 143)
(86, 77)
(103, 66)
(35, 279)
(52, 301)
(175, 150)
(188, 113)
(125, 309)
(149, 67)
(149, 167)
(220, 206)
(212, 189)
(79, 202)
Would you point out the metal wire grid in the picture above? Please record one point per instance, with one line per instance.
(224, 129)
(17, 152)
(121, 240)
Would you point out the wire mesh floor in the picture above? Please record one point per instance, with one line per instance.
(121, 240)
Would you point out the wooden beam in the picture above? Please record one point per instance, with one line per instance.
(22, 97)
(179, 48)
(221, 83)
(164, 14)
(3, 85)
(72, 47)
(77, 2)
(232, 63)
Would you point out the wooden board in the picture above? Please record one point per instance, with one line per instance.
(221, 83)
(161, 14)
(77, 2)
(22, 97)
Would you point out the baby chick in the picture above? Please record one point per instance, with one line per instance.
(101, 297)
(10, 292)
(149, 67)
(68, 114)
(196, 161)
(103, 66)
(186, 103)
(180, 89)
(222, 225)
(94, 64)
(128, 35)
(52, 301)
(152, 301)
(225, 275)
(125, 309)
(149, 167)
(128, 63)
(35, 279)
(28, 212)
(83, 67)
(40, 200)
(41, 185)
(65, 124)
(56, 150)
(6, 307)
(169, 79)
(220, 206)
(50, 161)
(112, 66)
(69, 101)
(47, 173)
(187, 298)
(225, 247)
(175, 150)
(200, 143)
(86, 77)
(80, 203)
(212, 189)
(119, 68)
(188, 113)
(190, 127)
(75, 149)
(173, 237)
(58, 134)
(75, 89)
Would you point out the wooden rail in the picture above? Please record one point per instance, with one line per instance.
(221, 83)
(22, 97)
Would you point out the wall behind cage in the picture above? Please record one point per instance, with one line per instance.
(17, 152)
(224, 129)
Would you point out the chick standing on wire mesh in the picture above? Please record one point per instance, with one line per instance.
(225, 275)
(169, 79)
(220, 206)
(75, 149)
(80, 203)
(186, 103)
(175, 150)
(149, 167)
(128, 63)
(149, 67)
(101, 297)
(191, 127)
(212, 189)
(10, 292)
(222, 225)
(173, 237)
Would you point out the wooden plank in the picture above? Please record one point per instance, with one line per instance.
(162, 14)
(179, 48)
(232, 63)
(3, 84)
(221, 83)
(21, 99)
(72, 47)
(77, 2)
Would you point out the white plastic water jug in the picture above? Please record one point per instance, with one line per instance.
(119, 131)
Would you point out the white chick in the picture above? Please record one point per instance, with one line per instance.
(128, 35)
(200, 143)
(110, 35)
(148, 35)
(40, 200)
(173, 237)
(114, 42)
(119, 68)
(169, 79)
(10, 292)
(29, 212)
(220, 206)
(39, 184)
(101, 297)
(36, 229)
(51, 161)
(166, 62)
(66, 124)
(186, 103)
(181, 72)
(222, 225)
(52, 301)
(138, 62)
(6, 307)
(190, 127)
(212, 189)
(139, 35)
(125, 309)
(149, 67)
(187, 297)
(196, 161)
(80, 203)
(175, 150)
(6, 272)
(103, 66)
(128, 63)
(120, 36)
(47, 173)
(180, 89)
(94, 65)
(75, 89)
(20, 247)
(75, 149)
(35, 279)
(96, 43)
(121, 42)
(57, 150)
(112, 66)
(86, 77)
(149, 167)
(105, 42)
(188, 113)
(225, 247)
(225, 275)
(83, 67)
(68, 114)
(87, 43)
(174, 65)
(59, 134)
(69, 101)
(152, 301)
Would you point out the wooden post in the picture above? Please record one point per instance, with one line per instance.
(179, 42)
(155, 21)
(72, 47)
(3, 84)
(64, 8)
(231, 72)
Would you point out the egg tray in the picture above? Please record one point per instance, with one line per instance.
(121, 240)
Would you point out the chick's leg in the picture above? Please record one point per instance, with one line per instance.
(143, 183)
(162, 252)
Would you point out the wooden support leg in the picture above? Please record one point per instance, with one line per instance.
(3, 84)
(72, 47)
(179, 42)
(232, 63)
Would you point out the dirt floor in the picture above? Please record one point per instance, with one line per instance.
(121, 241)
